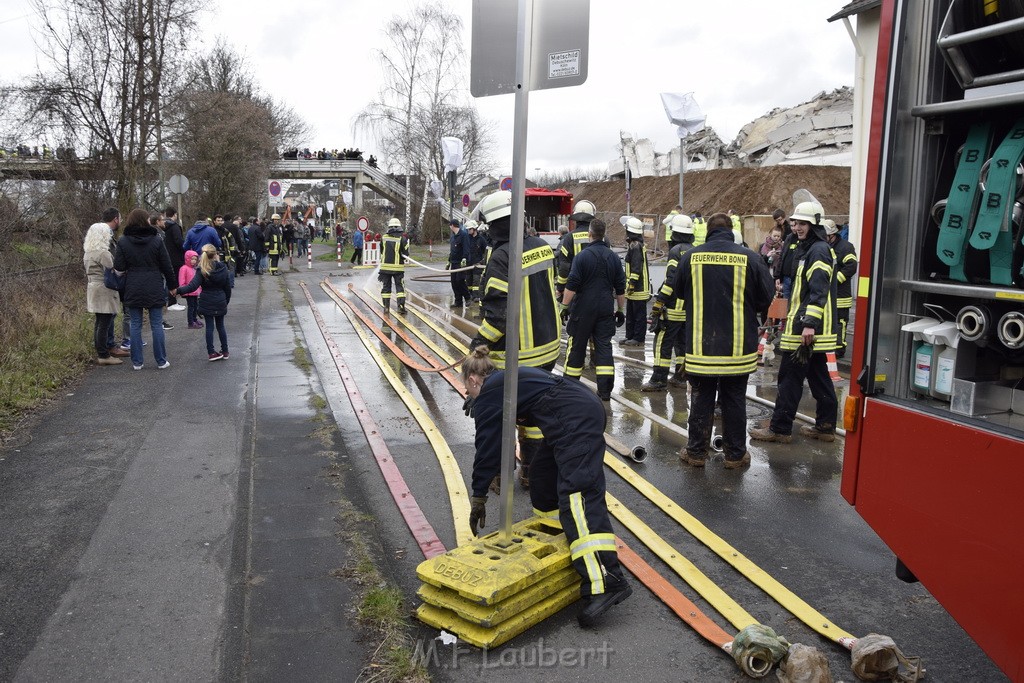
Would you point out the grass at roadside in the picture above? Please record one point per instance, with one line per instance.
(45, 343)
(382, 609)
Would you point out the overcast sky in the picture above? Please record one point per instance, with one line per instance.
(741, 58)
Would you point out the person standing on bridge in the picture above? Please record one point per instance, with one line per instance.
(724, 286)
(566, 476)
(394, 249)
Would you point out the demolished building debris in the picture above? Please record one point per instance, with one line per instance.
(818, 132)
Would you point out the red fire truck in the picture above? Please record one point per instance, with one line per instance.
(934, 458)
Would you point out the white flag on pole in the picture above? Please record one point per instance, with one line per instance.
(452, 150)
(682, 110)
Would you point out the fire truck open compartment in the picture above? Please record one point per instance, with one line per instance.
(936, 467)
(930, 117)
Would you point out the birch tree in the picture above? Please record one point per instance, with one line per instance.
(422, 96)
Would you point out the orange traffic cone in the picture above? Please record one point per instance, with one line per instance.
(833, 367)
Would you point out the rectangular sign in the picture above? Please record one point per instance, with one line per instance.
(564, 64)
(560, 45)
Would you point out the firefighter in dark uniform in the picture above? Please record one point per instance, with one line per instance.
(539, 324)
(458, 257)
(275, 242)
(810, 331)
(725, 287)
(638, 282)
(573, 242)
(394, 250)
(592, 303)
(228, 246)
(846, 267)
(567, 474)
(668, 313)
(477, 254)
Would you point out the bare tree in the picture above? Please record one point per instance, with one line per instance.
(422, 97)
(106, 65)
(226, 133)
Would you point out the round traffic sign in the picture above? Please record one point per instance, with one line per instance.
(177, 184)
(275, 188)
(363, 223)
(506, 183)
(465, 200)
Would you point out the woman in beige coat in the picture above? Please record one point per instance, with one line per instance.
(104, 302)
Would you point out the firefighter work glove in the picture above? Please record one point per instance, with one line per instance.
(462, 263)
(563, 312)
(654, 324)
(620, 318)
(467, 406)
(477, 514)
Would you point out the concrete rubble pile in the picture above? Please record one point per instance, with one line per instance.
(818, 132)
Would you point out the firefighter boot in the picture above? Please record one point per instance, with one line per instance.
(616, 589)
(678, 378)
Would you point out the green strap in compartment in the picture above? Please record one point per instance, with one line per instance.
(993, 229)
(963, 196)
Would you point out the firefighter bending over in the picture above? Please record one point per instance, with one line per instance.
(567, 474)
(595, 294)
(394, 251)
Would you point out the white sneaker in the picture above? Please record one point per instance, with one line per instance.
(176, 307)
(166, 364)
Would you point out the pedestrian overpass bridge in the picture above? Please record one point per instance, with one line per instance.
(359, 173)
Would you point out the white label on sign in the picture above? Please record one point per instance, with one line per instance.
(564, 64)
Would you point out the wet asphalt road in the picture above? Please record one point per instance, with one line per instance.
(183, 524)
(784, 513)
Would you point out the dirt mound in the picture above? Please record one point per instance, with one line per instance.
(747, 191)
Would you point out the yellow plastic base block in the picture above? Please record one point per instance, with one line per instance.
(489, 616)
(485, 572)
(484, 637)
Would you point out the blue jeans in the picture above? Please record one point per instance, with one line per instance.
(222, 332)
(156, 325)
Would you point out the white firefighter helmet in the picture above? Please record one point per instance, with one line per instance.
(830, 226)
(494, 206)
(395, 223)
(584, 211)
(276, 217)
(681, 224)
(809, 212)
(471, 225)
(633, 225)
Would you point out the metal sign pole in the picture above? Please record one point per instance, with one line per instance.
(515, 266)
(682, 170)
